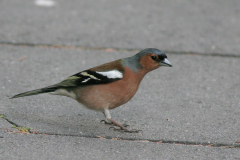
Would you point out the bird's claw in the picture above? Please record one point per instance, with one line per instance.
(135, 131)
(125, 125)
(116, 128)
(111, 123)
(106, 122)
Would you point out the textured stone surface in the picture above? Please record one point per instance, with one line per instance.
(20, 146)
(206, 26)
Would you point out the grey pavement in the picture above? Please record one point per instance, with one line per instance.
(193, 108)
(210, 26)
(58, 147)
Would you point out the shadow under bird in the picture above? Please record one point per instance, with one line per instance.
(109, 85)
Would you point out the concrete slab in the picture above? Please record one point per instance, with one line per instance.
(20, 146)
(197, 101)
(207, 26)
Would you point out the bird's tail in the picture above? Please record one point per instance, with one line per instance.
(37, 91)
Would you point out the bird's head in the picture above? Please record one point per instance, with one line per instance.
(148, 60)
(152, 58)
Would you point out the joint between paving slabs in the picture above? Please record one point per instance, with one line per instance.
(21, 129)
(111, 49)
(26, 130)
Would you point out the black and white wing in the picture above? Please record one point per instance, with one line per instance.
(89, 77)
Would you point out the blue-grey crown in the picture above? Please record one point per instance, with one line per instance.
(161, 55)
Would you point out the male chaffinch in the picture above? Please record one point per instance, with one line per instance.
(109, 85)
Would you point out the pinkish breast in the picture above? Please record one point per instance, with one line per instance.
(111, 95)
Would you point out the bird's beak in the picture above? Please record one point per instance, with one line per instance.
(166, 63)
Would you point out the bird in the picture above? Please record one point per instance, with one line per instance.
(109, 85)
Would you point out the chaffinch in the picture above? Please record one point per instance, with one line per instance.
(109, 85)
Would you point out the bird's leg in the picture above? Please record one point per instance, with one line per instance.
(108, 117)
(108, 122)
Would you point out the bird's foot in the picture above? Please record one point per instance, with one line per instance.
(125, 129)
(118, 127)
(107, 122)
(111, 123)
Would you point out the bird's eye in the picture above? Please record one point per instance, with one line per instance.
(154, 57)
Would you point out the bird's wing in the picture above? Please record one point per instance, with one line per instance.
(89, 77)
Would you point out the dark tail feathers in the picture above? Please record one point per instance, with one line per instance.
(37, 91)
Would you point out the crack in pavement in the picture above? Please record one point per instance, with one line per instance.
(207, 144)
(110, 49)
